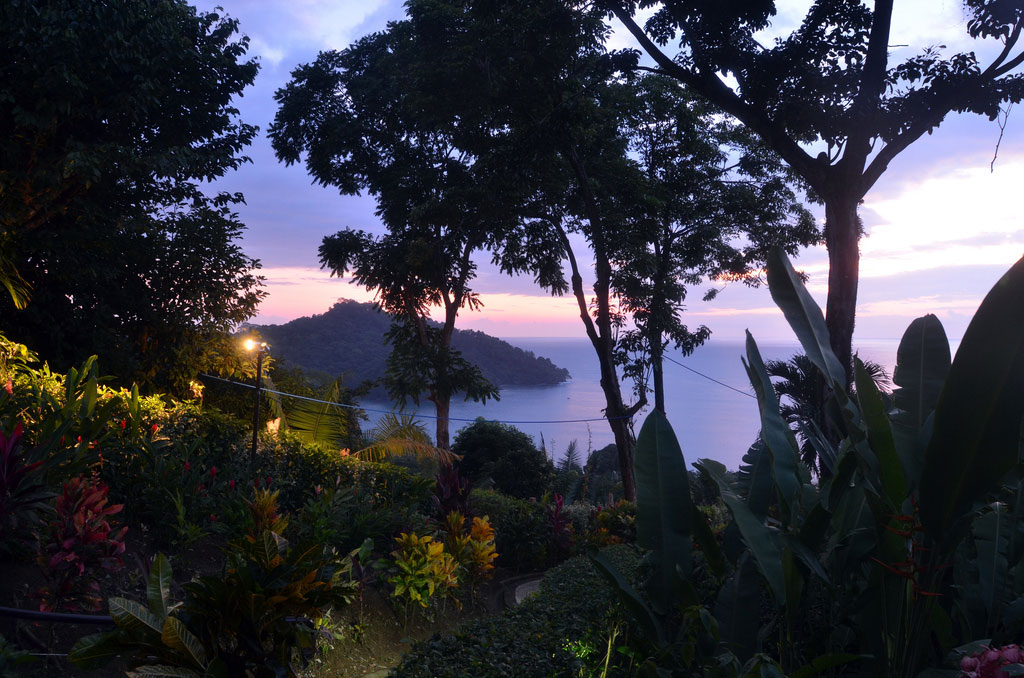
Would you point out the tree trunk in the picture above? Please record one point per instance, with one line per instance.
(657, 370)
(842, 238)
(442, 406)
(618, 419)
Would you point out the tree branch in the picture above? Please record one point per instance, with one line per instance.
(1011, 40)
(715, 90)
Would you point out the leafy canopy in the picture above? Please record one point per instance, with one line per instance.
(117, 113)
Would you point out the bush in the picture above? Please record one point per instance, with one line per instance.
(522, 529)
(541, 637)
(503, 456)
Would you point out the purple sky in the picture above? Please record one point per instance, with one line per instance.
(941, 228)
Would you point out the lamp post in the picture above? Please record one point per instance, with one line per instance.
(261, 348)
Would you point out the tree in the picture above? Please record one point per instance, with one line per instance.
(717, 202)
(864, 112)
(551, 105)
(115, 113)
(368, 118)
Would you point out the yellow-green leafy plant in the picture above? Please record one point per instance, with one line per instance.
(422, 570)
(474, 549)
(482, 551)
(456, 542)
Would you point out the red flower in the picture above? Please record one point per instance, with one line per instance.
(213, 517)
(155, 427)
(268, 481)
(231, 484)
(124, 424)
(213, 473)
(188, 466)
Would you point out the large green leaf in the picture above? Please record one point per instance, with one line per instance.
(631, 599)
(992, 534)
(755, 478)
(93, 651)
(760, 539)
(130, 615)
(740, 594)
(158, 588)
(705, 540)
(879, 432)
(179, 638)
(664, 506)
(922, 365)
(804, 316)
(787, 470)
(977, 422)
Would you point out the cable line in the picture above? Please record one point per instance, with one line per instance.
(422, 416)
(731, 388)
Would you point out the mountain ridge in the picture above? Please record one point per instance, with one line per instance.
(348, 339)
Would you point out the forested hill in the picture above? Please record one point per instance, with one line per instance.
(349, 339)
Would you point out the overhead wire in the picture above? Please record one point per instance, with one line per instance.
(414, 414)
(470, 419)
(720, 383)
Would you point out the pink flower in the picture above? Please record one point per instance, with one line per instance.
(231, 485)
(268, 481)
(9, 387)
(188, 466)
(319, 489)
(213, 473)
(213, 517)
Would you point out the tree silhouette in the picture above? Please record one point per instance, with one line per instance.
(114, 115)
(829, 86)
(716, 202)
(369, 118)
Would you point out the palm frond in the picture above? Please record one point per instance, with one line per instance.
(325, 422)
(402, 435)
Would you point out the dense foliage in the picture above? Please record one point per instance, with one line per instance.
(902, 561)
(502, 456)
(555, 633)
(115, 114)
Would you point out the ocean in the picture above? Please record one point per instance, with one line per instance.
(709, 419)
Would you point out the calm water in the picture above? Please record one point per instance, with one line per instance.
(709, 420)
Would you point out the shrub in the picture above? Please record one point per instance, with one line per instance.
(535, 639)
(422, 569)
(504, 456)
(243, 623)
(80, 539)
(522, 529)
(474, 551)
(23, 494)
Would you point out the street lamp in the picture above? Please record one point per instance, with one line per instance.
(261, 349)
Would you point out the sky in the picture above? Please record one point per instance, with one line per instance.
(941, 226)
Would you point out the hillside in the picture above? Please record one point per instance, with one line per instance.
(349, 339)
